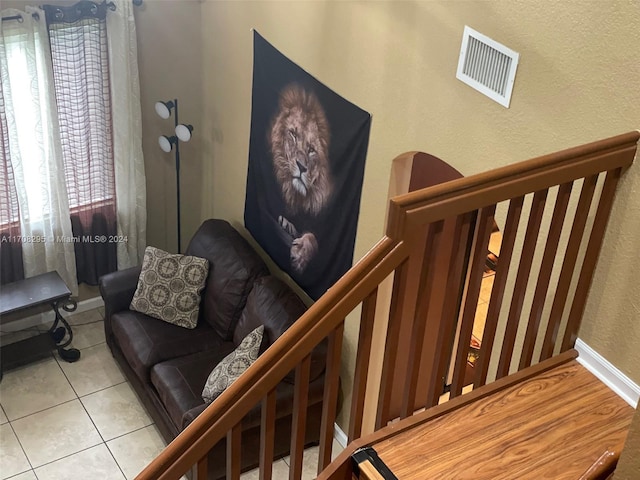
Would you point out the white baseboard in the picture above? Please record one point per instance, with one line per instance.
(46, 318)
(607, 373)
(339, 435)
(89, 304)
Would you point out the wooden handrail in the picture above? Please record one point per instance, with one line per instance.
(477, 191)
(408, 214)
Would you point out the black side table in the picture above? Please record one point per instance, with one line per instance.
(37, 293)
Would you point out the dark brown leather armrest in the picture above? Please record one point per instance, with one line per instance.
(117, 289)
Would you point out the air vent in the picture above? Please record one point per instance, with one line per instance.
(487, 66)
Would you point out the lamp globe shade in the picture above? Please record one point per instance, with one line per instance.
(184, 132)
(165, 143)
(163, 109)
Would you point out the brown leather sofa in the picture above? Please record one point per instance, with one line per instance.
(168, 365)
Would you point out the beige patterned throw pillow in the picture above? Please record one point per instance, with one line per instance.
(233, 365)
(170, 286)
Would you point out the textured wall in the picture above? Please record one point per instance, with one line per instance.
(629, 464)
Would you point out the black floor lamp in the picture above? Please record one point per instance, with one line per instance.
(182, 134)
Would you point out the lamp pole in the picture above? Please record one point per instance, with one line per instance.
(182, 133)
(175, 102)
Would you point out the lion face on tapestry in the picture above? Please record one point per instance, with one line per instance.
(299, 142)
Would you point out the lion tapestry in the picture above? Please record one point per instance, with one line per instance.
(306, 162)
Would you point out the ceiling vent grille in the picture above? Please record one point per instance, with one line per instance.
(487, 66)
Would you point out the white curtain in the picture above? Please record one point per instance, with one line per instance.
(34, 142)
(131, 197)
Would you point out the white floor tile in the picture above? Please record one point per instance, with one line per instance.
(12, 457)
(279, 471)
(33, 388)
(95, 462)
(88, 335)
(83, 318)
(116, 411)
(309, 463)
(135, 450)
(310, 460)
(3, 417)
(95, 370)
(56, 432)
(25, 476)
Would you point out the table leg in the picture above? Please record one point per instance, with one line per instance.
(67, 354)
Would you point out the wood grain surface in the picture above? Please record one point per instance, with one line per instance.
(553, 426)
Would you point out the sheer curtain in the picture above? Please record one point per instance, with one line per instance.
(10, 237)
(96, 122)
(34, 143)
(131, 194)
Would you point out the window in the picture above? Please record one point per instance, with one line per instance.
(81, 79)
(60, 149)
(28, 118)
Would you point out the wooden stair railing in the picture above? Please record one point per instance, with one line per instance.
(519, 330)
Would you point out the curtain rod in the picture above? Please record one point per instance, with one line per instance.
(19, 18)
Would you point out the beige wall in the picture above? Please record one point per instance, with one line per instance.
(629, 464)
(577, 82)
(170, 63)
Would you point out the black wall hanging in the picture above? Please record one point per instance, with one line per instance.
(306, 164)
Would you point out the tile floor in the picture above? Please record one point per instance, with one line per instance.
(62, 421)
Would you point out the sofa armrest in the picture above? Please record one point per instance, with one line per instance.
(117, 289)
(190, 415)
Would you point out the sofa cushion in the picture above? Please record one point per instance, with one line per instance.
(284, 404)
(273, 304)
(145, 341)
(233, 365)
(179, 381)
(233, 267)
(169, 287)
